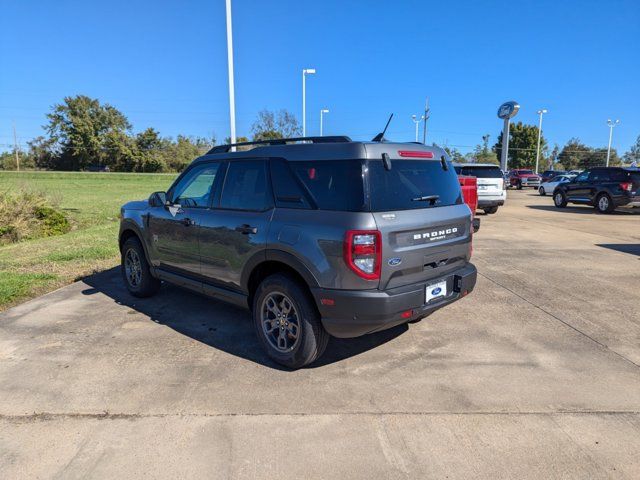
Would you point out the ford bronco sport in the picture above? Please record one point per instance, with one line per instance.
(317, 236)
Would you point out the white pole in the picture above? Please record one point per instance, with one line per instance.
(232, 99)
(304, 104)
(540, 112)
(611, 125)
(417, 123)
(322, 112)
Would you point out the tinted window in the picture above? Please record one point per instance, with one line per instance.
(287, 190)
(195, 188)
(600, 175)
(524, 172)
(582, 177)
(332, 184)
(245, 186)
(400, 187)
(619, 176)
(480, 172)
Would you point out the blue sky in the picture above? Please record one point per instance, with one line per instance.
(163, 63)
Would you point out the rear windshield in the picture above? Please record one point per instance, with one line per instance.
(480, 172)
(408, 182)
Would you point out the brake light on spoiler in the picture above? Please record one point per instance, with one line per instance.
(415, 154)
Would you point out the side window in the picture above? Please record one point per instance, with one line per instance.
(582, 177)
(196, 187)
(245, 186)
(286, 188)
(599, 176)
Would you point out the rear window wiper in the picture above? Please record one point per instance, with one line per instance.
(427, 198)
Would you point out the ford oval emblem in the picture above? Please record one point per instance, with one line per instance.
(436, 291)
(394, 261)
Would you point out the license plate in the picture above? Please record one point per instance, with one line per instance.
(436, 290)
(483, 187)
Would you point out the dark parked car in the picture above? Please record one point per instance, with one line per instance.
(605, 188)
(547, 175)
(317, 236)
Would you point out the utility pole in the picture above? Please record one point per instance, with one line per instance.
(540, 112)
(15, 148)
(305, 72)
(232, 94)
(427, 114)
(611, 125)
(322, 112)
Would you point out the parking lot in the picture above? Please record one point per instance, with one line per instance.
(535, 374)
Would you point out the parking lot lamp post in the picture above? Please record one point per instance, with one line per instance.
(322, 112)
(417, 121)
(540, 112)
(305, 72)
(611, 125)
(232, 98)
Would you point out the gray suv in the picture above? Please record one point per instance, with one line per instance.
(316, 236)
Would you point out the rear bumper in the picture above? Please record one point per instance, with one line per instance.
(490, 202)
(358, 312)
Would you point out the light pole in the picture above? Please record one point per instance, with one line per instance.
(232, 95)
(611, 125)
(417, 121)
(540, 112)
(322, 112)
(305, 72)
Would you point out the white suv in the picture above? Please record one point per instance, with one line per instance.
(491, 191)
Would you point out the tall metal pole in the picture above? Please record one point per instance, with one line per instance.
(305, 71)
(322, 112)
(417, 121)
(505, 145)
(232, 95)
(540, 112)
(426, 117)
(611, 125)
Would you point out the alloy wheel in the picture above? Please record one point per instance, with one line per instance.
(133, 267)
(280, 322)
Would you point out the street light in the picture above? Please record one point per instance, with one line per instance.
(540, 112)
(305, 72)
(323, 111)
(417, 121)
(232, 99)
(611, 125)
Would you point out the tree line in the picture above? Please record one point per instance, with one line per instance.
(81, 133)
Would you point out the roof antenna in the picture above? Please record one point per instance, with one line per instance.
(380, 137)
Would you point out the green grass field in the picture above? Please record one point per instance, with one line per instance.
(91, 202)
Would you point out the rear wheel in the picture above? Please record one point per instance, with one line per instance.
(519, 185)
(541, 191)
(287, 322)
(604, 204)
(559, 199)
(135, 270)
(490, 210)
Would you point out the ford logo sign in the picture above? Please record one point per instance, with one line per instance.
(394, 261)
(436, 291)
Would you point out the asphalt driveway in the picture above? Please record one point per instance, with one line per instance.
(534, 375)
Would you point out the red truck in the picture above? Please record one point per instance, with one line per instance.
(520, 178)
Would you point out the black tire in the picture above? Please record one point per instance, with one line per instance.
(519, 185)
(559, 199)
(604, 204)
(490, 210)
(541, 191)
(312, 338)
(135, 270)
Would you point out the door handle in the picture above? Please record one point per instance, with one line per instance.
(246, 229)
(187, 222)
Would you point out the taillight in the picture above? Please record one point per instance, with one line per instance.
(628, 186)
(363, 253)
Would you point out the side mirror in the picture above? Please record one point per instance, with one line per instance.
(158, 199)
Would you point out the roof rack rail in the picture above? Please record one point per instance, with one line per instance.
(281, 141)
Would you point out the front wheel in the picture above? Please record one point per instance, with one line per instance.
(541, 191)
(604, 204)
(559, 199)
(135, 270)
(287, 322)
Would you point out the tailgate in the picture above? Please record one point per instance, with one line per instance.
(490, 186)
(423, 244)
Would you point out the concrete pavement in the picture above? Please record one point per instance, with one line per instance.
(534, 375)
